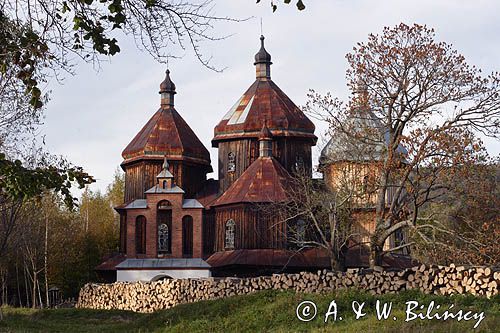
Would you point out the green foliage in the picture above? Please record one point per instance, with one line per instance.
(267, 311)
(18, 182)
(22, 52)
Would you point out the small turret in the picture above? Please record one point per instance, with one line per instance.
(265, 142)
(167, 91)
(263, 62)
(165, 177)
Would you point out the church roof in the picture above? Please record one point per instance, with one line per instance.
(368, 142)
(158, 189)
(163, 263)
(265, 180)
(166, 133)
(306, 258)
(263, 101)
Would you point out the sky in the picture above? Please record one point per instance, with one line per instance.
(93, 115)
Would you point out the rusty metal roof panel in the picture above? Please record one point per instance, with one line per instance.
(265, 180)
(209, 193)
(264, 101)
(269, 257)
(166, 133)
(111, 262)
(306, 258)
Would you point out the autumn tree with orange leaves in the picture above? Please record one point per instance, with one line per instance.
(429, 101)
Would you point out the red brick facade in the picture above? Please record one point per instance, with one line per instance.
(150, 213)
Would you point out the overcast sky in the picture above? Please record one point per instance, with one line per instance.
(94, 115)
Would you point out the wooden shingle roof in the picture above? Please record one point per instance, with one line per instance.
(263, 101)
(166, 134)
(265, 180)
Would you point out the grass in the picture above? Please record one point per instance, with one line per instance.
(267, 311)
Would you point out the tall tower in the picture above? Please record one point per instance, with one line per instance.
(165, 135)
(236, 135)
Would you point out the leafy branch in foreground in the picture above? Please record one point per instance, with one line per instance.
(43, 36)
(18, 182)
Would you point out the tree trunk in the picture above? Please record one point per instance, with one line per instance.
(375, 254)
(337, 260)
(18, 286)
(46, 261)
(33, 300)
(26, 285)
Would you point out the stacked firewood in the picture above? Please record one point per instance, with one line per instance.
(151, 296)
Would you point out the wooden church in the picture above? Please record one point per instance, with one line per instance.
(176, 223)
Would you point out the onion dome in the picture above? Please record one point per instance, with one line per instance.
(166, 134)
(265, 180)
(167, 91)
(167, 85)
(262, 56)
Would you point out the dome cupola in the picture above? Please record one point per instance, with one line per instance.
(167, 91)
(262, 62)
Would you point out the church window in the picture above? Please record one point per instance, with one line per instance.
(299, 163)
(399, 240)
(164, 205)
(140, 235)
(301, 233)
(164, 226)
(231, 162)
(296, 234)
(364, 187)
(163, 238)
(229, 239)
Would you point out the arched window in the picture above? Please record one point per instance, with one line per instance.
(301, 233)
(187, 236)
(163, 238)
(299, 163)
(296, 234)
(399, 240)
(229, 239)
(140, 235)
(164, 225)
(164, 204)
(231, 162)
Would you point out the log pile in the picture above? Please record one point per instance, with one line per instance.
(152, 296)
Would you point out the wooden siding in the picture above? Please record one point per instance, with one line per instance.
(141, 176)
(285, 150)
(254, 230)
(208, 232)
(362, 178)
